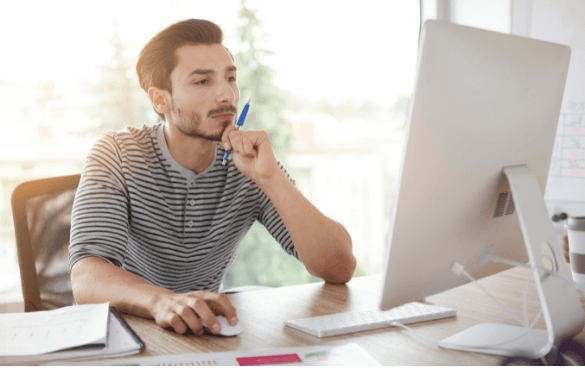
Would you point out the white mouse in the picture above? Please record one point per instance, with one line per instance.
(226, 329)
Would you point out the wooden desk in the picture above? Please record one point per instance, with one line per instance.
(264, 312)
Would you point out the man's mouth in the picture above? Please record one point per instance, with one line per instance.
(224, 116)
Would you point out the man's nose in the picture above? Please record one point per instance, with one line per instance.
(226, 93)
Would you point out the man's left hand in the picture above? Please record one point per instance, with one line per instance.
(323, 244)
(251, 152)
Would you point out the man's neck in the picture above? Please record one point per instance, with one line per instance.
(195, 154)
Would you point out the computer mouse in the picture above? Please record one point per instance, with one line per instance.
(226, 329)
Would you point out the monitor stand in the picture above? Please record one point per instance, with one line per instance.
(560, 303)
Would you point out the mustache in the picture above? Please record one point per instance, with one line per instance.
(230, 108)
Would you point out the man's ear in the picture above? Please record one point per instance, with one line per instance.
(159, 99)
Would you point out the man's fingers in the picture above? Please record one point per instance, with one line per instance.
(245, 143)
(222, 305)
(190, 318)
(225, 140)
(206, 314)
(161, 320)
(171, 320)
(239, 147)
(262, 138)
(190, 309)
(248, 147)
(177, 324)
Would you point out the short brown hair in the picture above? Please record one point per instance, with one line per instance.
(157, 59)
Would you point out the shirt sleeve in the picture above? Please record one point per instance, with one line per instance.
(99, 219)
(271, 220)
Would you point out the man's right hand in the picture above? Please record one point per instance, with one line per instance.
(182, 311)
(95, 281)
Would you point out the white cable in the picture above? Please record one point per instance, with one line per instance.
(458, 269)
(438, 342)
(536, 318)
(569, 359)
(571, 282)
(525, 304)
(495, 258)
(492, 257)
(488, 346)
(414, 332)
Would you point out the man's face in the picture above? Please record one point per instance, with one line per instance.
(205, 93)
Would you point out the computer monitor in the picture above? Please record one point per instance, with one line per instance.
(481, 129)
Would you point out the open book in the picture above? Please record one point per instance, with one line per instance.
(80, 331)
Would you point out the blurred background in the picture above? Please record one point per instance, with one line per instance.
(331, 81)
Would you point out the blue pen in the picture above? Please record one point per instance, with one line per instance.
(238, 127)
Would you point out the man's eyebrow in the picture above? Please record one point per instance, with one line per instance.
(201, 71)
(211, 71)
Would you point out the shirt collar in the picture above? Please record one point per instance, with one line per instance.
(188, 174)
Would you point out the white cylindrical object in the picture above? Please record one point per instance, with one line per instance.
(576, 233)
(579, 278)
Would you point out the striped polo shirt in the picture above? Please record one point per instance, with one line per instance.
(138, 209)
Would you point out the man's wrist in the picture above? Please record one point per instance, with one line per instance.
(270, 184)
(156, 299)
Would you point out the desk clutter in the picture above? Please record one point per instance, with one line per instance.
(74, 332)
(344, 355)
(73, 335)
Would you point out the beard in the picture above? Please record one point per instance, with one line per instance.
(188, 123)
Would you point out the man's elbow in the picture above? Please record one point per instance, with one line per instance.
(337, 263)
(338, 268)
(340, 273)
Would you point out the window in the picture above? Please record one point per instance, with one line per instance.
(344, 71)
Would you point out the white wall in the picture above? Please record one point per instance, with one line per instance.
(493, 15)
(562, 21)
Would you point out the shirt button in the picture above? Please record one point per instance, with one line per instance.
(192, 202)
(190, 223)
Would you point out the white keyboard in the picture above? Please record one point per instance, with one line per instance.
(350, 322)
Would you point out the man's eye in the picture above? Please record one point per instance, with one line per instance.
(231, 79)
(202, 82)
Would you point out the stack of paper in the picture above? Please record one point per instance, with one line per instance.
(80, 331)
(345, 355)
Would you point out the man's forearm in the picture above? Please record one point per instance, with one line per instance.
(95, 281)
(323, 244)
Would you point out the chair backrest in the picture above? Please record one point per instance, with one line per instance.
(41, 211)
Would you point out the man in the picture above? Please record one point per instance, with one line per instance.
(157, 218)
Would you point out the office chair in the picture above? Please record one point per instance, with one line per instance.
(41, 211)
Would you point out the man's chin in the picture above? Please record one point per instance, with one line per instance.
(216, 137)
(210, 137)
(213, 138)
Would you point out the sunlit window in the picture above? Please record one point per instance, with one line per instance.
(335, 83)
